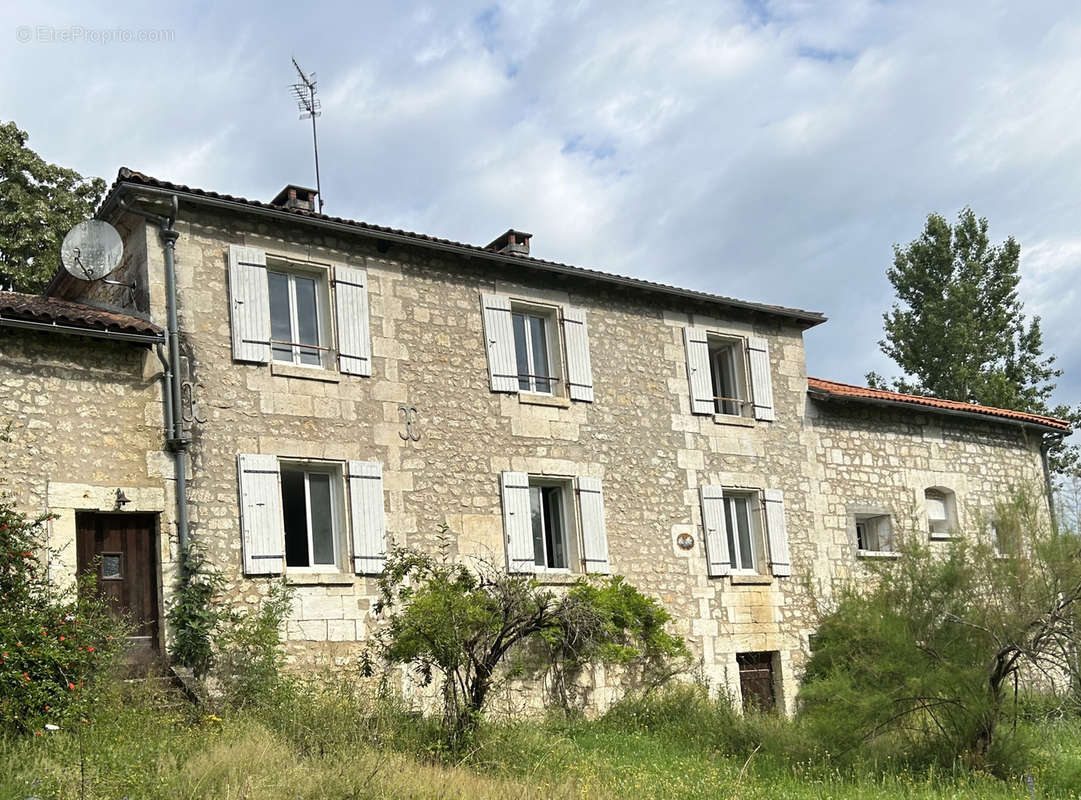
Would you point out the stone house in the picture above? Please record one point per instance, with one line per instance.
(343, 386)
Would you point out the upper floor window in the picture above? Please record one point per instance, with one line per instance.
(536, 349)
(297, 317)
(941, 508)
(743, 530)
(728, 373)
(729, 376)
(282, 311)
(526, 343)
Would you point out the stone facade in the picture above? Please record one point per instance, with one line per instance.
(88, 420)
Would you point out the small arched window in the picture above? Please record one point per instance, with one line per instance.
(941, 508)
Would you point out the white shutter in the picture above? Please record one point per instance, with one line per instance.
(718, 561)
(698, 371)
(579, 369)
(761, 381)
(517, 522)
(249, 304)
(594, 536)
(261, 525)
(778, 532)
(351, 308)
(499, 336)
(369, 519)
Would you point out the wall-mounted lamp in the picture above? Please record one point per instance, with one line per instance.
(121, 499)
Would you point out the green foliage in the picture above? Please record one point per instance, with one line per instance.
(39, 202)
(248, 651)
(463, 623)
(196, 612)
(957, 329)
(919, 663)
(54, 643)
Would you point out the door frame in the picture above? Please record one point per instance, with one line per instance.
(66, 499)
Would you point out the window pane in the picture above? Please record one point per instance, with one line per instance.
(295, 511)
(536, 513)
(725, 384)
(555, 541)
(521, 352)
(322, 518)
(539, 341)
(280, 327)
(729, 514)
(307, 319)
(743, 525)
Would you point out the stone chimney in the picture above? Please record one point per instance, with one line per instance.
(293, 196)
(511, 243)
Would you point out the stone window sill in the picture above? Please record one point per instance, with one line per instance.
(530, 399)
(305, 373)
(320, 578)
(731, 419)
(943, 537)
(877, 554)
(751, 580)
(556, 578)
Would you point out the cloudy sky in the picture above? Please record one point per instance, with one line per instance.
(772, 150)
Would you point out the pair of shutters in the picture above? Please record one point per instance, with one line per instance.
(503, 363)
(699, 373)
(518, 523)
(250, 311)
(262, 523)
(713, 524)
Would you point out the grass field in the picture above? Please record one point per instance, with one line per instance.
(328, 748)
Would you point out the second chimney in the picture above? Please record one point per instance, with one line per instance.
(511, 243)
(293, 196)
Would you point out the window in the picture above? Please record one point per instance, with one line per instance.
(742, 529)
(941, 512)
(310, 509)
(874, 533)
(756, 681)
(536, 344)
(297, 317)
(728, 374)
(548, 515)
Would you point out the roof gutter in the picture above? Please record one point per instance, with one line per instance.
(809, 319)
(53, 327)
(819, 394)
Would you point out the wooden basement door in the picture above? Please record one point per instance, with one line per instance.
(119, 551)
(756, 680)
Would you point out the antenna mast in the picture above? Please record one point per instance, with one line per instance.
(310, 108)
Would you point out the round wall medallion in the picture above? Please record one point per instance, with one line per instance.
(685, 541)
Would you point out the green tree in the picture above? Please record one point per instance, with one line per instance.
(958, 330)
(922, 660)
(39, 203)
(467, 626)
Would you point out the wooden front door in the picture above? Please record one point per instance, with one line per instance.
(756, 680)
(119, 551)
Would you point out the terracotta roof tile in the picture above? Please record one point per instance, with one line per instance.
(36, 308)
(129, 176)
(844, 391)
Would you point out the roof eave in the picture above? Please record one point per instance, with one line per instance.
(805, 319)
(825, 395)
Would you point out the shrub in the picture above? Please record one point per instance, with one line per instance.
(54, 642)
(196, 613)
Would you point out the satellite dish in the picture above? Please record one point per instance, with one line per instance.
(91, 250)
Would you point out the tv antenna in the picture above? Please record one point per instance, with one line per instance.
(310, 108)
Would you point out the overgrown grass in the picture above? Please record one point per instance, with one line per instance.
(335, 743)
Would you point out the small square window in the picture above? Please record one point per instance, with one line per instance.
(941, 512)
(112, 566)
(536, 349)
(299, 314)
(728, 373)
(311, 506)
(874, 533)
(551, 512)
(744, 531)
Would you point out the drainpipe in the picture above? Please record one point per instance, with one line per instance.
(174, 422)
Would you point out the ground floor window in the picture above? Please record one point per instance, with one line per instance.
(874, 533)
(548, 512)
(743, 530)
(310, 497)
(756, 681)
